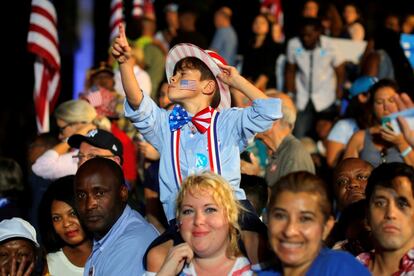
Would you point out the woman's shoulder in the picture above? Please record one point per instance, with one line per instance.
(241, 267)
(336, 262)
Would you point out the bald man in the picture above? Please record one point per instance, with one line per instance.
(287, 153)
(350, 179)
(121, 235)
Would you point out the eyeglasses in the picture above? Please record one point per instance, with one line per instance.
(90, 156)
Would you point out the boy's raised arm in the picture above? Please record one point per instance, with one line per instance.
(231, 77)
(121, 51)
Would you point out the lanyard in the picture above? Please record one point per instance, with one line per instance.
(213, 150)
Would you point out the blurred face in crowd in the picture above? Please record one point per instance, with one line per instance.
(350, 180)
(392, 22)
(100, 200)
(384, 103)
(310, 9)
(104, 80)
(163, 99)
(66, 223)
(67, 129)
(391, 215)
(309, 36)
(350, 14)
(20, 250)
(171, 17)
(88, 151)
(203, 224)
(297, 227)
(260, 25)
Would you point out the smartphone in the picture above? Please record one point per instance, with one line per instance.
(391, 121)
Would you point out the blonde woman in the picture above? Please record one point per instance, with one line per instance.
(207, 215)
(72, 117)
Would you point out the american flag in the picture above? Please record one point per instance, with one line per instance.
(188, 84)
(43, 41)
(117, 17)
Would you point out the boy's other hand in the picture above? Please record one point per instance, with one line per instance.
(229, 75)
(120, 48)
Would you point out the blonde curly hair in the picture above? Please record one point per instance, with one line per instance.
(223, 196)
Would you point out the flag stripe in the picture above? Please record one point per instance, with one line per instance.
(42, 40)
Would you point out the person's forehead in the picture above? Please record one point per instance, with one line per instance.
(16, 244)
(94, 178)
(401, 187)
(352, 166)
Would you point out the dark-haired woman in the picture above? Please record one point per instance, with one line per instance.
(65, 241)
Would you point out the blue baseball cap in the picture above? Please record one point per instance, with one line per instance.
(362, 85)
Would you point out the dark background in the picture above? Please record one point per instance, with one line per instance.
(17, 120)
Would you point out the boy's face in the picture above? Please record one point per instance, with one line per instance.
(185, 84)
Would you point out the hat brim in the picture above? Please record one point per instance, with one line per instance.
(12, 236)
(184, 50)
(75, 140)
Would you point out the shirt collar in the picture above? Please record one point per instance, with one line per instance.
(113, 232)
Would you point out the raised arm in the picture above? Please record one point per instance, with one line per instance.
(231, 76)
(121, 51)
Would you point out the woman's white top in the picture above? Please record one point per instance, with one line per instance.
(59, 265)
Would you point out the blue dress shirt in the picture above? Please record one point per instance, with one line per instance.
(121, 250)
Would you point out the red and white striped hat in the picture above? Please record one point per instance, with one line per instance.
(210, 58)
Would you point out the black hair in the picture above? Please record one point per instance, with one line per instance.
(310, 21)
(61, 190)
(255, 188)
(384, 174)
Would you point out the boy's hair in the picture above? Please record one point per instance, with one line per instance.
(206, 74)
(222, 194)
(384, 174)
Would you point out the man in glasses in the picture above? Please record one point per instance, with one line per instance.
(96, 143)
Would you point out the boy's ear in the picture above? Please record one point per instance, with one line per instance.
(208, 87)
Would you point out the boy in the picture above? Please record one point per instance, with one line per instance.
(199, 82)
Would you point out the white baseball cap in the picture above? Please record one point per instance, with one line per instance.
(17, 228)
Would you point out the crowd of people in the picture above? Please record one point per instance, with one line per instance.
(183, 157)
